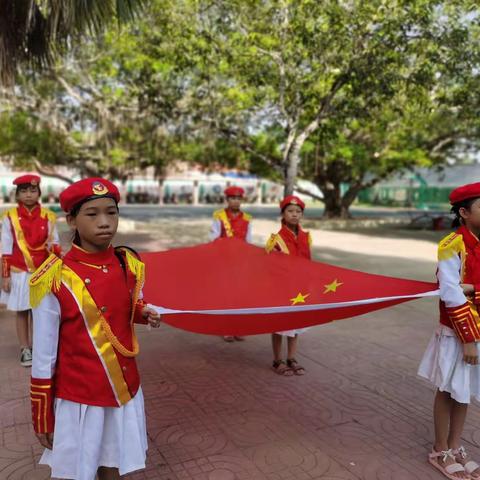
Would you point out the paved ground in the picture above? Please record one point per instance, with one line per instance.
(216, 412)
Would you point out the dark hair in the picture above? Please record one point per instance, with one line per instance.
(466, 204)
(76, 209)
(24, 186)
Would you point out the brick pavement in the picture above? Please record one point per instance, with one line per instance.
(216, 412)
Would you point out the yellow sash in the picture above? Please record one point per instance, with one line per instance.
(20, 237)
(223, 217)
(100, 333)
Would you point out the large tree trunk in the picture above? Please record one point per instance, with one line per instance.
(291, 164)
(337, 205)
(334, 206)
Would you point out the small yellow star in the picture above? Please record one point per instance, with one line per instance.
(332, 287)
(300, 298)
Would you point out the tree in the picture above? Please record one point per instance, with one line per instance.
(301, 69)
(31, 32)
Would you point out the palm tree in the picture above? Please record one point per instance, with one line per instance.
(33, 31)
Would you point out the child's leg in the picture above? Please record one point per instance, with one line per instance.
(292, 346)
(105, 473)
(442, 414)
(458, 415)
(442, 408)
(22, 329)
(291, 360)
(277, 347)
(278, 364)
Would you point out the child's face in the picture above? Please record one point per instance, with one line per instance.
(28, 195)
(234, 202)
(292, 214)
(471, 216)
(96, 223)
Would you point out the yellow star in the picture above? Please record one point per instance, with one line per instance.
(300, 298)
(332, 287)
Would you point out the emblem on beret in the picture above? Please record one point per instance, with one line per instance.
(294, 202)
(34, 183)
(98, 188)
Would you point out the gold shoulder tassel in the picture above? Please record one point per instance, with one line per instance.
(45, 279)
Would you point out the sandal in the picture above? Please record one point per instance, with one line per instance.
(280, 368)
(295, 366)
(447, 470)
(239, 339)
(228, 338)
(471, 467)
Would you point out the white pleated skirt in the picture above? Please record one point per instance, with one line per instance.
(18, 299)
(87, 437)
(443, 365)
(293, 333)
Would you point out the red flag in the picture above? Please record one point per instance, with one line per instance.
(229, 287)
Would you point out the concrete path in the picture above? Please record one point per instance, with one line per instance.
(215, 411)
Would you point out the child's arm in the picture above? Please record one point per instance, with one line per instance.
(249, 237)
(54, 244)
(451, 293)
(145, 314)
(215, 229)
(46, 325)
(7, 249)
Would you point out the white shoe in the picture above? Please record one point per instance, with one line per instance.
(26, 357)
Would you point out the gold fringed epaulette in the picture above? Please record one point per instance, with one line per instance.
(309, 239)
(217, 214)
(6, 213)
(247, 217)
(135, 265)
(451, 245)
(270, 245)
(45, 279)
(46, 212)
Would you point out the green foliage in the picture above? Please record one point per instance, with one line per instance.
(338, 92)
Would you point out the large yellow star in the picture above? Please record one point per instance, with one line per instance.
(332, 287)
(300, 298)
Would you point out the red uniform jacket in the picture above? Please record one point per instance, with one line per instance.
(287, 242)
(30, 232)
(233, 225)
(459, 262)
(98, 303)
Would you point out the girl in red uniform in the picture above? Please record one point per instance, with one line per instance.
(231, 222)
(451, 359)
(87, 403)
(291, 240)
(29, 235)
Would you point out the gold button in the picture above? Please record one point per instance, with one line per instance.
(124, 369)
(105, 270)
(87, 281)
(103, 309)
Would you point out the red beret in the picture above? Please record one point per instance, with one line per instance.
(234, 191)
(29, 178)
(291, 200)
(87, 189)
(472, 190)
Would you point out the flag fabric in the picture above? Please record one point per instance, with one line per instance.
(229, 287)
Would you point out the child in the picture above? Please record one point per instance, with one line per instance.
(28, 236)
(451, 359)
(87, 403)
(291, 240)
(232, 222)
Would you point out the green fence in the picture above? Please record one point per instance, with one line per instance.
(418, 197)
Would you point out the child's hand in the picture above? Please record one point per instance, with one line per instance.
(46, 439)
(470, 354)
(152, 317)
(467, 288)
(6, 284)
